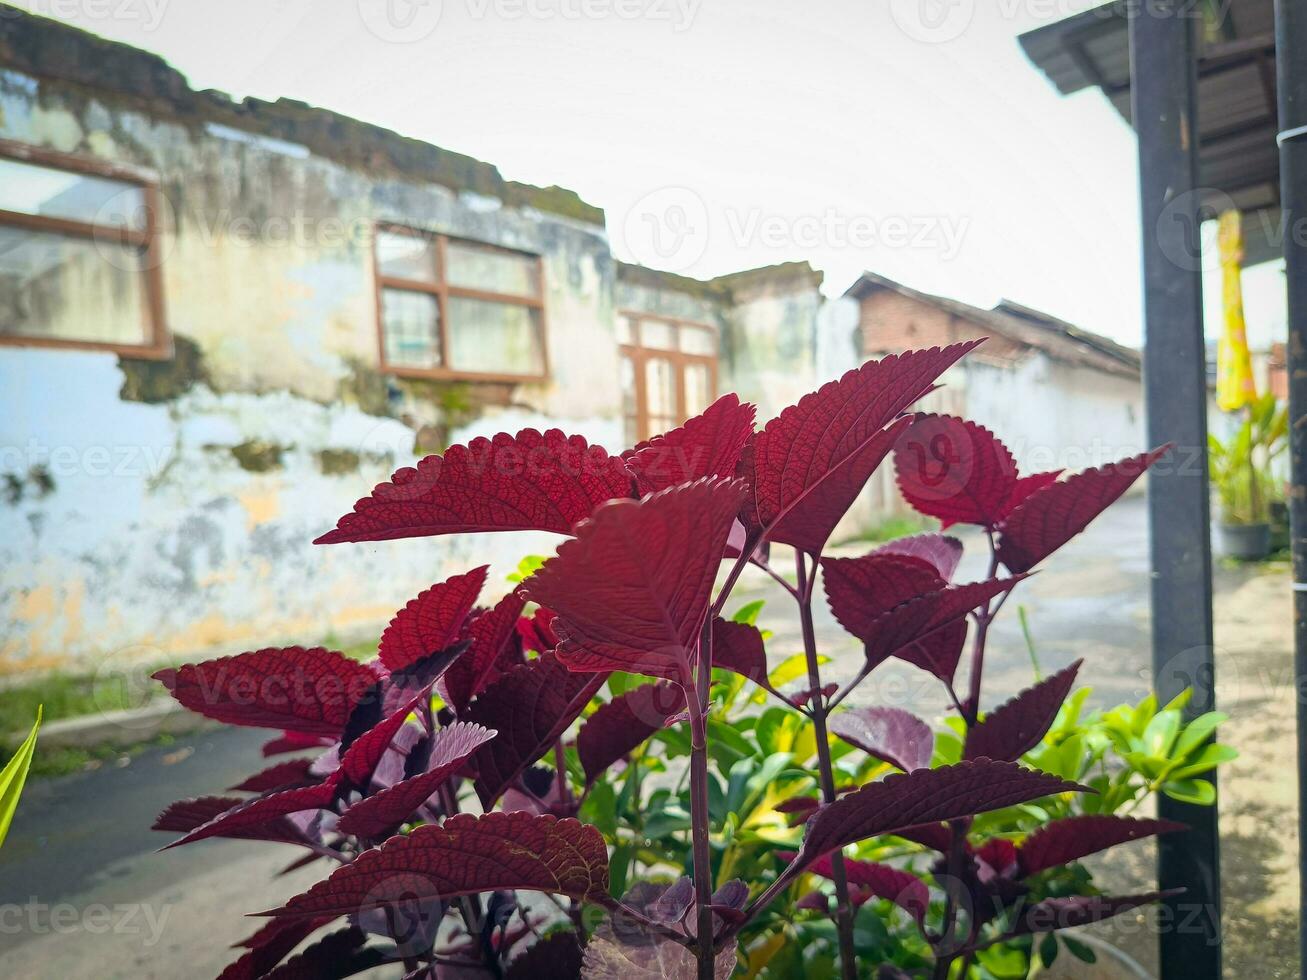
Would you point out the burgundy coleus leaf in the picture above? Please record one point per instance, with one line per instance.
(904, 889)
(1081, 910)
(185, 815)
(333, 957)
(1051, 517)
(294, 742)
(935, 836)
(632, 589)
(621, 725)
(537, 630)
(708, 445)
(432, 621)
(262, 817)
(738, 647)
(929, 630)
(1027, 485)
(311, 692)
(942, 552)
(381, 814)
(1073, 838)
(268, 947)
(808, 464)
(954, 470)
(527, 482)
(490, 635)
(926, 796)
(464, 856)
(360, 760)
(530, 707)
(1017, 726)
(798, 809)
(556, 957)
(890, 734)
(294, 772)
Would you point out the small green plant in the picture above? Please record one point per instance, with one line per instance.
(1242, 467)
(13, 776)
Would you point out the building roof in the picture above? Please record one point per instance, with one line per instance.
(732, 287)
(1031, 328)
(110, 71)
(1237, 156)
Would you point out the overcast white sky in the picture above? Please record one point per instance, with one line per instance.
(909, 137)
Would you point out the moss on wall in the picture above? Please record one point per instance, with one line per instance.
(257, 456)
(337, 462)
(162, 381)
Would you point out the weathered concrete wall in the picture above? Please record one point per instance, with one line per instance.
(161, 509)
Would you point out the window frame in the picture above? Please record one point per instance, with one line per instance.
(639, 354)
(158, 346)
(443, 291)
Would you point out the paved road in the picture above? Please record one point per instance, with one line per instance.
(109, 906)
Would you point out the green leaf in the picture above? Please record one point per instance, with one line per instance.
(600, 808)
(1081, 951)
(14, 776)
(1198, 731)
(793, 668)
(748, 613)
(1197, 791)
(527, 567)
(1161, 732)
(1048, 949)
(1205, 761)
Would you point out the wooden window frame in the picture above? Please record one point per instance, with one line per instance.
(158, 347)
(443, 292)
(679, 359)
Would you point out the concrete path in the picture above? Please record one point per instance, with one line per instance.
(82, 893)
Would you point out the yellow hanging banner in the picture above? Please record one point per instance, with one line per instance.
(1235, 387)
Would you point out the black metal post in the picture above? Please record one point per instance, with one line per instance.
(1291, 77)
(1164, 91)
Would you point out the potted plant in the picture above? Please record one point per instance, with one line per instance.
(1242, 473)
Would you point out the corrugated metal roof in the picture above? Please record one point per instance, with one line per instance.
(1237, 156)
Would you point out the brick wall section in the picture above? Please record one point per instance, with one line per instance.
(889, 322)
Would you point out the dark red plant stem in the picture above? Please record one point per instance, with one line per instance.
(469, 905)
(817, 712)
(983, 619)
(700, 828)
(956, 854)
(560, 773)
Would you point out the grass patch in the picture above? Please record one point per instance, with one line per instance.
(891, 528)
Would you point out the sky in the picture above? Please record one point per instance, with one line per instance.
(909, 137)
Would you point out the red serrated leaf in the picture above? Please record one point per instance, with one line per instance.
(333, 957)
(556, 957)
(904, 889)
(432, 621)
(268, 947)
(311, 692)
(861, 590)
(954, 470)
(294, 772)
(294, 742)
(622, 724)
(941, 551)
(930, 629)
(1028, 485)
(935, 836)
(261, 818)
(632, 590)
(360, 760)
(1073, 838)
(1051, 517)
(811, 461)
(185, 815)
(530, 707)
(708, 445)
(738, 647)
(1081, 910)
(490, 633)
(463, 856)
(1015, 727)
(890, 734)
(527, 482)
(926, 796)
(378, 815)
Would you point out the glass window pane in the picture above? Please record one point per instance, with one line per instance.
(625, 330)
(54, 193)
(499, 338)
(71, 289)
(406, 256)
(696, 340)
(660, 388)
(493, 270)
(627, 381)
(657, 335)
(411, 328)
(698, 388)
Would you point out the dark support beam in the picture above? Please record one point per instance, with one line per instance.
(1291, 77)
(1163, 60)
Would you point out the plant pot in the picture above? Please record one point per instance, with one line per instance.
(1247, 542)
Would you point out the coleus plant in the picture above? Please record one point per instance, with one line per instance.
(437, 814)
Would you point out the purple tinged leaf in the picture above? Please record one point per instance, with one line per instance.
(556, 957)
(890, 734)
(955, 470)
(268, 947)
(621, 725)
(942, 552)
(432, 621)
(490, 634)
(333, 957)
(262, 818)
(738, 647)
(1017, 726)
(284, 775)
(632, 589)
(708, 445)
(1081, 910)
(1073, 838)
(926, 796)
(464, 856)
(873, 880)
(384, 812)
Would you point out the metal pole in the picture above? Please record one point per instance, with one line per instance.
(1291, 76)
(1164, 91)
